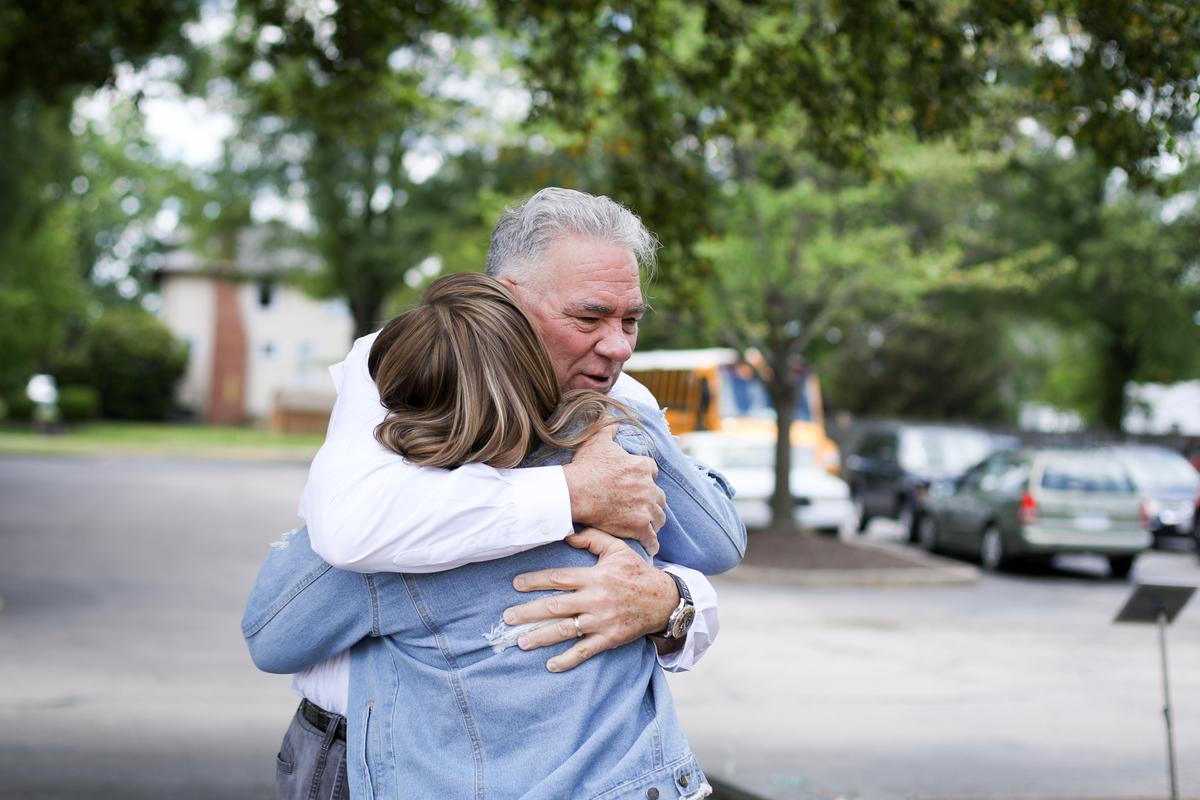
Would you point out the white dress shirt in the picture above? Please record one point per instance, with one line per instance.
(370, 510)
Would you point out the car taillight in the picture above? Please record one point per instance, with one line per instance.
(1028, 510)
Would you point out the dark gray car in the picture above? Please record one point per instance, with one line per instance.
(1034, 503)
(894, 464)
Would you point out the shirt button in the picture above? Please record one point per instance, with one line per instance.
(652, 793)
(683, 780)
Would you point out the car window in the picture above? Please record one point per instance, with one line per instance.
(1085, 474)
(1005, 475)
(1152, 469)
(973, 477)
(947, 451)
(877, 445)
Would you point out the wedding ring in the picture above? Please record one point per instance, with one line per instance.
(578, 630)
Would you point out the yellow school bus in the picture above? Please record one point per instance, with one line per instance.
(716, 390)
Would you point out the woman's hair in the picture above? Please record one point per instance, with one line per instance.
(465, 377)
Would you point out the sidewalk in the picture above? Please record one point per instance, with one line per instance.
(807, 559)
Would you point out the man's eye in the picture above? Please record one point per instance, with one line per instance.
(588, 320)
(630, 322)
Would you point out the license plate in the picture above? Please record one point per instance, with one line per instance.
(1091, 522)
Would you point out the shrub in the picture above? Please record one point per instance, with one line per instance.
(135, 363)
(71, 368)
(20, 407)
(78, 403)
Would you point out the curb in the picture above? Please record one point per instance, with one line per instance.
(927, 570)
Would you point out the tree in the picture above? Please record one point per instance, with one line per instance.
(659, 90)
(944, 366)
(335, 103)
(820, 258)
(51, 206)
(54, 56)
(1132, 288)
(798, 262)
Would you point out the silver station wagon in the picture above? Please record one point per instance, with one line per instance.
(1033, 503)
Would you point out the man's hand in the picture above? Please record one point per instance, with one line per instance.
(621, 599)
(615, 491)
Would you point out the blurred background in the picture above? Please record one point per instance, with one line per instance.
(930, 284)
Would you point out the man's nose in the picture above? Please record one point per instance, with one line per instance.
(614, 345)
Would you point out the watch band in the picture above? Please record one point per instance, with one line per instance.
(684, 594)
(680, 621)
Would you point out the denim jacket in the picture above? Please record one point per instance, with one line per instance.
(436, 711)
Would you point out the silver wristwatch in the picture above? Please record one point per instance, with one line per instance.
(680, 621)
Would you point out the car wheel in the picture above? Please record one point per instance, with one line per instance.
(992, 556)
(832, 533)
(1120, 566)
(927, 533)
(861, 518)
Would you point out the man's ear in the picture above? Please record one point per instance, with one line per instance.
(508, 282)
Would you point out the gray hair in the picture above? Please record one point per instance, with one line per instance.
(524, 234)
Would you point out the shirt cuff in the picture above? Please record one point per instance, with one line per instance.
(704, 627)
(541, 503)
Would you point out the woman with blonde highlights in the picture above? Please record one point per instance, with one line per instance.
(465, 377)
(441, 704)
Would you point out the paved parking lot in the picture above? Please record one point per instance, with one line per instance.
(123, 675)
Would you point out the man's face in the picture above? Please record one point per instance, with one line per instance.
(586, 302)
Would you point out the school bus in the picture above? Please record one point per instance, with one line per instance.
(716, 390)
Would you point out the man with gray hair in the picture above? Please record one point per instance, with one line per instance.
(574, 263)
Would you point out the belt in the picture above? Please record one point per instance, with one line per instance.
(322, 719)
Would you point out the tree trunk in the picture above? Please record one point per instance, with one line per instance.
(366, 310)
(1120, 366)
(783, 396)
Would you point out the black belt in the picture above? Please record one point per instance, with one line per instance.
(322, 719)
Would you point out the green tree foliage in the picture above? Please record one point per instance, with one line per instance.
(51, 53)
(657, 89)
(134, 363)
(822, 260)
(336, 103)
(56, 218)
(937, 367)
(40, 293)
(1133, 287)
(802, 263)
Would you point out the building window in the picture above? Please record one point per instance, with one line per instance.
(266, 293)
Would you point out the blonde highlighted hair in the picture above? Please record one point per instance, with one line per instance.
(465, 377)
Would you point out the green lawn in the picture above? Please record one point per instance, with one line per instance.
(207, 441)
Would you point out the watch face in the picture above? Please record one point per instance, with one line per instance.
(683, 622)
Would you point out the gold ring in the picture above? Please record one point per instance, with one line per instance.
(578, 630)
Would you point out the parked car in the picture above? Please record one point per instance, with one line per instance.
(1169, 488)
(1034, 503)
(822, 501)
(891, 470)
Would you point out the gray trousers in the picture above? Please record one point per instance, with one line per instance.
(311, 764)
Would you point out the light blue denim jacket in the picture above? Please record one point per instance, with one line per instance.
(436, 712)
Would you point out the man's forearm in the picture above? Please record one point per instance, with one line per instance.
(437, 519)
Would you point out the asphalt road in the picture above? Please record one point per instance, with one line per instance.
(123, 674)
